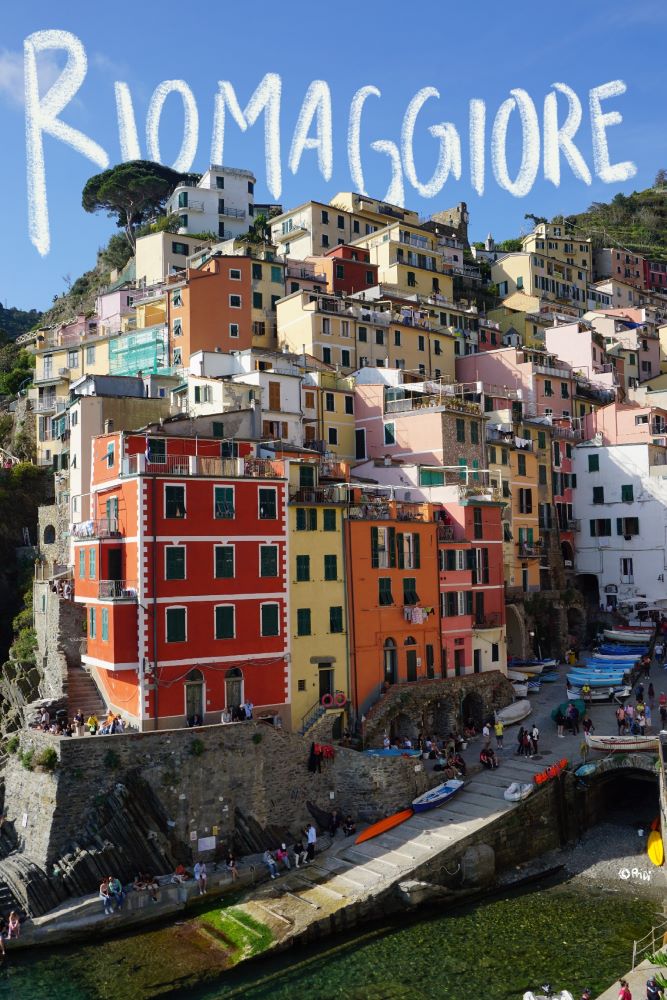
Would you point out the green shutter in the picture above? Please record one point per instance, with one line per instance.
(391, 542)
(329, 519)
(416, 550)
(619, 525)
(105, 624)
(375, 557)
(302, 568)
(303, 621)
(301, 519)
(224, 562)
(224, 622)
(468, 594)
(175, 563)
(330, 567)
(399, 551)
(312, 519)
(175, 625)
(92, 629)
(268, 555)
(336, 619)
(270, 619)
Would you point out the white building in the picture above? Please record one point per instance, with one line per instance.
(620, 506)
(222, 202)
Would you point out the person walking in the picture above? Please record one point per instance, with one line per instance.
(560, 722)
(311, 837)
(519, 741)
(658, 651)
(499, 734)
(587, 693)
(624, 992)
(651, 695)
(534, 738)
(653, 990)
(620, 719)
(486, 734)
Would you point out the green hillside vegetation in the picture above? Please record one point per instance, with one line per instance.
(14, 322)
(635, 222)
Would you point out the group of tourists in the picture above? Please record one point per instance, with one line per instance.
(300, 854)
(637, 719)
(63, 588)
(59, 725)
(112, 894)
(528, 742)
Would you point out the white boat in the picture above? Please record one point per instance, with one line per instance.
(600, 694)
(514, 713)
(631, 638)
(520, 689)
(623, 744)
(517, 791)
(517, 675)
(563, 995)
(529, 668)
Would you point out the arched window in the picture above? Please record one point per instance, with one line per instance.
(195, 675)
(410, 641)
(49, 534)
(390, 661)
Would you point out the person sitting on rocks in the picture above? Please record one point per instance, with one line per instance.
(145, 881)
(300, 853)
(117, 891)
(180, 875)
(13, 925)
(270, 863)
(93, 724)
(232, 866)
(487, 758)
(105, 896)
(282, 857)
(336, 820)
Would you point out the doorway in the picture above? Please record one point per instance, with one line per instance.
(194, 697)
(233, 688)
(411, 658)
(114, 564)
(326, 680)
(390, 662)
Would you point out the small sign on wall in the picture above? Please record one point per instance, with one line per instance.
(193, 834)
(206, 844)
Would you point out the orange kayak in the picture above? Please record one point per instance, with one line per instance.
(383, 825)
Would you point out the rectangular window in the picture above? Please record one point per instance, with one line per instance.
(460, 430)
(379, 337)
(541, 440)
(362, 333)
(235, 274)
(257, 271)
(332, 435)
(331, 567)
(478, 531)
(92, 563)
(176, 624)
(257, 300)
(542, 475)
(627, 492)
(421, 343)
(598, 494)
(474, 432)
(303, 621)
(92, 627)
(326, 355)
(268, 505)
(174, 562)
(105, 624)
(384, 595)
(82, 564)
(306, 519)
(627, 526)
(90, 355)
(302, 568)
(276, 275)
(223, 501)
(495, 652)
(224, 562)
(521, 464)
(224, 621)
(336, 619)
(397, 338)
(340, 271)
(174, 501)
(269, 620)
(268, 560)
(390, 434)
(345, 358)
(233, 330)
(329, 519)
(235, 301)
(601, 528)
(410, 595)
(329, 402)
(349, 405)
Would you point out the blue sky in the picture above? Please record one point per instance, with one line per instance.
(478, 50)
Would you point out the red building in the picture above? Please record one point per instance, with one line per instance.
(347, 269)
(655, 275)
(183, 573)
(472, 590)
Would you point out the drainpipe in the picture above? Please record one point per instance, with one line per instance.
(350, 622)
(154, 574)
(349, 609)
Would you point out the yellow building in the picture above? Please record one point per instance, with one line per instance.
(409, 258)
(328, 414)
(348, 334)
(319, 658)
(552, 268)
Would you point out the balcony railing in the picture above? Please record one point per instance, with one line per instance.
(117, 590)
(321, 494)
(445, 532)
(487, 621)
(377, 508)
(105, 527)
(528, 551)
(308, 274)
(418, 401)
(200, 465)
(233, 213)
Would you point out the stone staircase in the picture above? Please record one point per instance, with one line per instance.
(83, 693)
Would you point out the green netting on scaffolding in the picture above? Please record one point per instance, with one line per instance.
(145, 351)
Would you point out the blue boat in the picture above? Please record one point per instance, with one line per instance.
(437, 796)
(550, 677)
(594, 681)
(393, 752)
(611, 647)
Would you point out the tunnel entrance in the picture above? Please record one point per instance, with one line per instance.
(624, 797)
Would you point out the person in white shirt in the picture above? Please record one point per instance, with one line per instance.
(486, 733)
(311, 836)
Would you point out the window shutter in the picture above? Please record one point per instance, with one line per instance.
(619, 525)
(392, 546)
(375, 561)
(300, 519)
(468, 602)
(416, 550)
(399, 550)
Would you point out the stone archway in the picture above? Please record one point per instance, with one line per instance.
(440, 717)
(589, 586)
(517, 638)
(472, 710)
(567, 553)
(403, 725)
(49, 536)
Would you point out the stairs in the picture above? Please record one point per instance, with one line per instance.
(83, 693)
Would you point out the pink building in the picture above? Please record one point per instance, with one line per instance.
(112, 307)
(627, 423)
(583, 349)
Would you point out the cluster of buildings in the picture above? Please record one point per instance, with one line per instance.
(302, 471)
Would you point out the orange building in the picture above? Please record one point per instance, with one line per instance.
(393, 595)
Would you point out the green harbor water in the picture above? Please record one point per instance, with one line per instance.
(569, 935)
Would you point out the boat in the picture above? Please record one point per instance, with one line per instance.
(517, 791)
(617, 657)
(623, 744)
(516, 661)
(611, 648)
(655, 848)
(548, 994)
(517, 675)
(632, 637)
(392, 752)
(595, 681)
(388, 823)
(585, 771)
(601, 694)
(532, 669)
(533, 685)
(550, 677)
(437, 796)
(520, 690)
(514, 713)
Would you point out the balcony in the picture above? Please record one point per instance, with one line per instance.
(422, 401)
(658, 427)
(334, 470)
(597, 392)
(487, 621)
(105, 527)
(233, 213)
(295, 230)
(445, 532)
(321, 494)
(374, 508)
(194, 205)
(528, 551)
(200, 465)
(117, 590)
(305, 273)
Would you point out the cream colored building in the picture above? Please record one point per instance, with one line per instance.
(409, 258)
(160, 254)
(328, 414)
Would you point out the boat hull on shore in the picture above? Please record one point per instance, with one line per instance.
(633, 638)
(437, 796)
(601, 694)
(623, 744)
(388, 823)
(514, 713)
